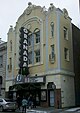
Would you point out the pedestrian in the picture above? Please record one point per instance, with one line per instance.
(30, 101)
(34, 102)
(18, 100)
(24, 104)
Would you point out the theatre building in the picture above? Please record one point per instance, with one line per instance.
(40, 57)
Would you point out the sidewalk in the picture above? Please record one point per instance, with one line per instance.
(44, 110)
(51, 110)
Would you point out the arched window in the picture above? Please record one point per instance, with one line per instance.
(30, 40)
(52, 29)
(37, 35)
(10, 45)
(37, 55)
(0, 79)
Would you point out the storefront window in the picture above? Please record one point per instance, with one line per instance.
(43, 95)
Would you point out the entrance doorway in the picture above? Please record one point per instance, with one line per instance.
(51, 98)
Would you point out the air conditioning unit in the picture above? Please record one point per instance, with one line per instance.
(52, 58)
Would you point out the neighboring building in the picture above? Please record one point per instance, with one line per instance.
(49, 70)
(76, 57)
(3, 54)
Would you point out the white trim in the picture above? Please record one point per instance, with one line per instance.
(55, 72)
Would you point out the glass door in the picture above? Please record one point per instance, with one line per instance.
(51, 98)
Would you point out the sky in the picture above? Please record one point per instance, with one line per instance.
(10, 10)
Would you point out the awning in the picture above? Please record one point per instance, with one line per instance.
(25, 86)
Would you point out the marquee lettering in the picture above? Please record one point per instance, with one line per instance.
(25, 42)
(25, 47)
(25, 30)
(24, 50)
(25, 58)
(25, 36)
(25, 64)
(25, 53)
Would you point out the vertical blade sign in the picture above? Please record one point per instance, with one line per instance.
(23, 48)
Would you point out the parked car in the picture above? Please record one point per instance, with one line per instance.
(7, 104)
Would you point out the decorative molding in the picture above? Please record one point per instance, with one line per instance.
(29, 10)
(65, 12)
(29, 26)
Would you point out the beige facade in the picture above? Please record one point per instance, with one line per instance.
(50, 53)
(3, 56)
